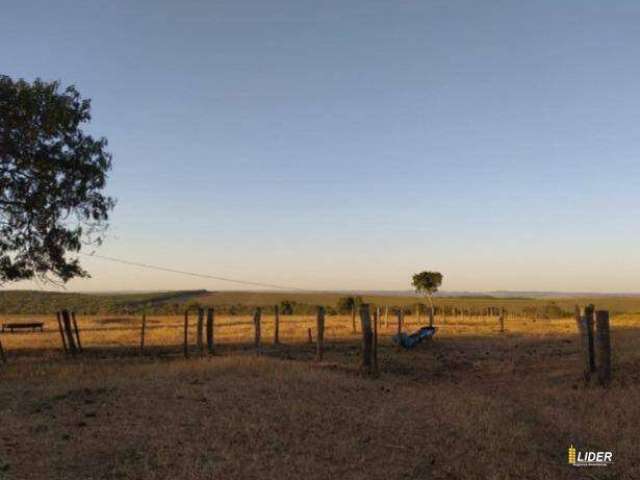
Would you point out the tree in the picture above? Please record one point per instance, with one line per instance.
(348, 304)
(427, 283)
(52, 175)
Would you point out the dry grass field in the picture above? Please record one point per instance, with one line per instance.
(473, 403)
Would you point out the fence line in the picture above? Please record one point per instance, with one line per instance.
(76, 336)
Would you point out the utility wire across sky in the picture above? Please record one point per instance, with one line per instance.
(191, 274)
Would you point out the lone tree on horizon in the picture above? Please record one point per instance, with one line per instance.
(51, 179)
(427, 283)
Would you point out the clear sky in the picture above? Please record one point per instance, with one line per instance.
(348, 144)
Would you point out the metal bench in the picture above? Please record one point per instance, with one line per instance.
(33, 326)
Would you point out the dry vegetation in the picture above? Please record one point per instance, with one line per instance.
(471, 404)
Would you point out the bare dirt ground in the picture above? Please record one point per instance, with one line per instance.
(473, 403)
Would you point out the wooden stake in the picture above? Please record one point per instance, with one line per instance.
(200, 331)
(603, 347)
(142, 332)
(386, 316)
(64, 340)
(431, 315)
(376, 318)
(501, 320)
(320, 334)
(276, 327)
(77, 332)
(256, 323)
(310, 336)
(66, 322)
(186, 334)
(353, 318)
(367, 338)
(210, 321)
(586, 339)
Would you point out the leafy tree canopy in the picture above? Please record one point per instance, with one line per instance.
(52, 175)
(427, 282)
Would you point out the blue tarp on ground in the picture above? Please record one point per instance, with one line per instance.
(411, 340)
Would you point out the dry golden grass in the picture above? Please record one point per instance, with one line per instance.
(473, 403)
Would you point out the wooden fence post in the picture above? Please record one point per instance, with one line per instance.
(210, 321)
(186, 334)
(2, 356)
(200, 331)
(64, 340)
(353, 318)
(320, 335)
(66, 321)
(501, 320)
(386, 316)
(586, 340)
(399, 324)
(142, 331)
(603, 345)
(257, 316)
(77, 332)
(367, 338)
(276, 326)
(310, 335)
(431, 315)
(376, 319)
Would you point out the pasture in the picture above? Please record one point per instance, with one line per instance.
(471, 403)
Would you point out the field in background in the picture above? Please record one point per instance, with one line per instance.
(38, 302)
(472, 403)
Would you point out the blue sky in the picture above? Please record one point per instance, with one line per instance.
(346, 145)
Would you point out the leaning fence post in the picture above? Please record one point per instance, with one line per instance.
(66, 320)
(199, 332)
(142, 332)
(64, 340)
(210, 320)
(256, 323)
(276, 325)
(75, 328)
(603, 345)
(367, 338)
(186, 334)
(320, 334)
